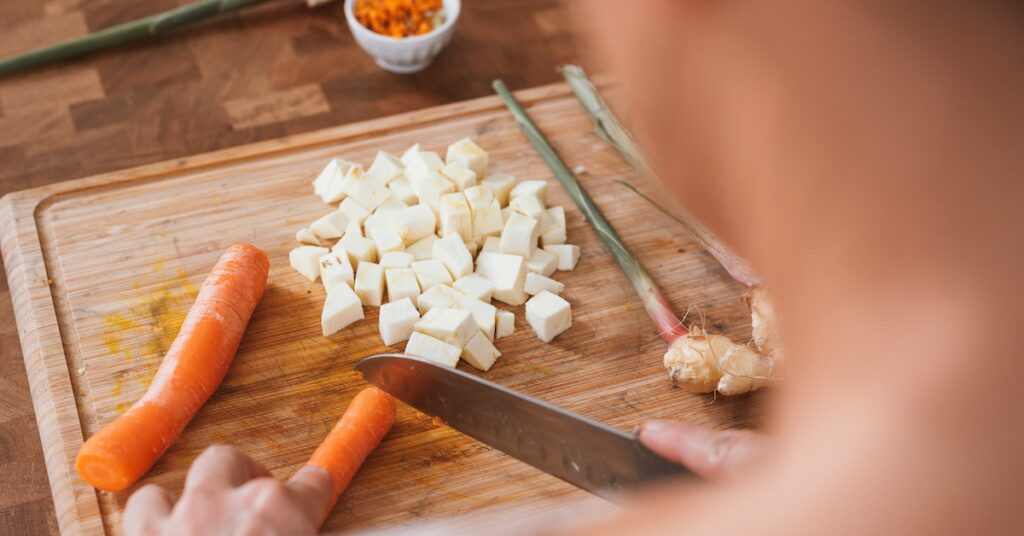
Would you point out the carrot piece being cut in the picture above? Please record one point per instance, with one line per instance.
(123, 450)
(359, 431)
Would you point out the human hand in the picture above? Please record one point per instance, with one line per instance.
(226, 492)
(717, 455)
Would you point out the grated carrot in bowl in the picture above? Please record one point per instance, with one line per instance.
(399, 18)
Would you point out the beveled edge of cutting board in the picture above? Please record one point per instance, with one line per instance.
(29, 273)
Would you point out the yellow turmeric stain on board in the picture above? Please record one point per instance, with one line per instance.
(122, 408)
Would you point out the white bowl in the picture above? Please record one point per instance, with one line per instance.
(408, 54)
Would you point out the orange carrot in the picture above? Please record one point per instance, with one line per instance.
(122, 451)
(365, 422)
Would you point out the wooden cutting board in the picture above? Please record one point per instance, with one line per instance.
(102, 271)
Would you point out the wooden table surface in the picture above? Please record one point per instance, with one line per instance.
(276, 70)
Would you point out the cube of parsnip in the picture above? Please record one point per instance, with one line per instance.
(467, 153)
(548, 315)
(433, 349)
(390, 204)
(480, 352)
(476, 286)
(568, 255)
(369, 284)
(354, 210)
(519, 237)
(359, 249)
(335, 269)
(542, 262)
(307, 237)
(505, 324)
(552, 226)
(506, 213)
(386, 240)
(401, 189)
(431, 187)
(461, 176)
(431, 272)
(528, 205)
(396, 259)
(507, 273)
(500, 184)
(364, 189)
(536, 283)
(438, 296)
(535, 187)
(412, 223)
(396, 321)
(423, 249)
(385, 168)
(341, 308)
(330, 225)
(487, 221)
(409, 153)
(401, 283)
(453, 326)
(422, 164)
(492, 243)
(484, 314)
(329, 184)
(478, 197)
(306, 260)
(473, 248)
(456, 216)
(452, 252)
(354, 229)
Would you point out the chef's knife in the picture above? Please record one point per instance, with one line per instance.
(585, 453)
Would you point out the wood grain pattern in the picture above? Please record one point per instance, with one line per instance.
(102, 271)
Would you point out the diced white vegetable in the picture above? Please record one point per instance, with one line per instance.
(487, 221)
(528, 205)
(438, 296)
(505, 324)
(374, 221)
(484, 314)
(452, 252)
(427, 347)
(500, 184)
(359, 249)
(478, 197)
(390, 204)
(423, 249)
(456, 216)
(331, 225)
(354, 210)
(420, 165)
(467, 153)
(396, 321)
(548, 315)
(396, 259)
(552, 226)
(306, 260)
(329, 185)
(341, 308)
(431, 272)
(472, 247)
(476, 286)
(305, 236)
(507, 273)
(535, 187)
(413, 223)
(568, 255)
(364, 189)
(354, 229)
(335, 269)
(431, 187)
(386, 240)
(542, 262)
(453, 326)
(480, 352)
(492, 243)
(519, 236)
(401, 283)
(461, 176)
(385, 168)
(409, 153)
(401, 189)
(369, 284)
(536, 283)
(506, 213)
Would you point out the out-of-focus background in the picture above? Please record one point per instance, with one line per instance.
(274, 70)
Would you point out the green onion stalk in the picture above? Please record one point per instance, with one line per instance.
(123, 33)
(609, 128)
(658, 307)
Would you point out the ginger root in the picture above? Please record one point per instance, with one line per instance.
(762, 323)
(700, 362)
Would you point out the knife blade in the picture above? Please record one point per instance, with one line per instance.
(586, 453)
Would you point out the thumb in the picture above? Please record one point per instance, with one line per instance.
(711, 454)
